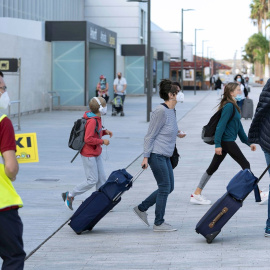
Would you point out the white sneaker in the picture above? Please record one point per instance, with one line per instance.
(199, 199)
(264, 197)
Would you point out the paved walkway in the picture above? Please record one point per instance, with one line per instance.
(120, 240)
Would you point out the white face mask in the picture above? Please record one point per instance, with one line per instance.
(180, 97)
(103, 110)
(4, 101)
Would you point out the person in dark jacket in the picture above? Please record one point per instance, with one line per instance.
(218, 84)
(259, 133)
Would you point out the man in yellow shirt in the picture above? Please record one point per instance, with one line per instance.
(11, 227)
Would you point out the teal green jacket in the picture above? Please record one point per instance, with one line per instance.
(228, 131)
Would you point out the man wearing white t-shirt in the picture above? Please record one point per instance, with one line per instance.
(119, 87)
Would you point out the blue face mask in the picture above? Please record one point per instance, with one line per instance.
(238, 98)
(239, 79)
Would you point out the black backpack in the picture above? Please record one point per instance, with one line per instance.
(208, 131)
(76, 138)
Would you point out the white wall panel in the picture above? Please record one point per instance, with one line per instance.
(119, 16)
(110, 3)
(114, 22)
(35, 71)
(23, 28)
(120, 12)
(43, 10)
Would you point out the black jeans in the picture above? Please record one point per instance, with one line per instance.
(11, 242)
(234, 151)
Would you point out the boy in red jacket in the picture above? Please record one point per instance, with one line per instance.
(91, 152)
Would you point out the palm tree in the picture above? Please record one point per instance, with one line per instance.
(257, 13)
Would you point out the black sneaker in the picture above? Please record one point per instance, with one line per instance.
(122, 114)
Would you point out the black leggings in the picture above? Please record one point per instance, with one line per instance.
(234, 151)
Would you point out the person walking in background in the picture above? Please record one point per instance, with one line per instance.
(259, 133)
(102, 88)
(244, 93)
(91, 152)
(212, 82)
(11, 226)
(159, 144)
(225, 136)
(119, 87)
(218, 85)
(247, 84)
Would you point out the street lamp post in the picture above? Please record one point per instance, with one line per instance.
(149, 65)
(209, 60)
(202, 61)
(180, 33)
(182, 45)
(195, 61)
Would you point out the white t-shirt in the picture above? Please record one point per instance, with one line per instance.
(242, 91)
(120, 85)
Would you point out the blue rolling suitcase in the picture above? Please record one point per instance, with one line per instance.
(224, 208)
(95, 207)
(217, 216)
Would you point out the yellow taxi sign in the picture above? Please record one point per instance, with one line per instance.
(26, 146)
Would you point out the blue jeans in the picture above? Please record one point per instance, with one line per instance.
(267, 158)
(162, 169)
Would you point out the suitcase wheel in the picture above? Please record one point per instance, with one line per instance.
(209, 241)
(78, 233)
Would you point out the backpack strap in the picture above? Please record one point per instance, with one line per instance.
(96, 129)
(232, 114)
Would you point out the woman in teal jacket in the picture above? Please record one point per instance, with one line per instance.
(225, 136)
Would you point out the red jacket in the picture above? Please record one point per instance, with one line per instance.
(92, 147)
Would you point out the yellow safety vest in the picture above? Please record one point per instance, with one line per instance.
(8, 195)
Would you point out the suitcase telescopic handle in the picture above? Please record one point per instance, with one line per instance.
(131, 181)
(268, 167)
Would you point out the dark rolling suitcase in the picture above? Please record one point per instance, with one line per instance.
(247, 109)
(95, 207)
(217, 216)
(224, 208)
(91, 211)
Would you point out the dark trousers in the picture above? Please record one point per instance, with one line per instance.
(11, 242)
(234, 151)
